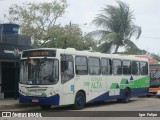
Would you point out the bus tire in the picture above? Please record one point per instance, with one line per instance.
(126, 96)
(45, 107)
(80, 101)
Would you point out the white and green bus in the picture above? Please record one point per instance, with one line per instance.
(70, 77)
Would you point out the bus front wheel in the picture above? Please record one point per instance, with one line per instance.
(80, 101)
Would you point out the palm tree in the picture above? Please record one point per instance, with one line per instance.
(117, 28)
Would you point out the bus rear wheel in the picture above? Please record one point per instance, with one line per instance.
(126, 96)
(80, 101)
(45, 107)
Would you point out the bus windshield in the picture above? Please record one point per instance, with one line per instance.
(39, 71)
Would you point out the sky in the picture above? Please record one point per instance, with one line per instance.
(82, 12)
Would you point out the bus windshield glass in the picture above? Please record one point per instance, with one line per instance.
(39, 71)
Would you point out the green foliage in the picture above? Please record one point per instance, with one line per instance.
(134, 51)
(117, 28)
(37, 18)
(74, 38)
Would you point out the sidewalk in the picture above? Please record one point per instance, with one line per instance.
(7, 104)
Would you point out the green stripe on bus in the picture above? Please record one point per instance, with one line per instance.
(123, 81)
(139, 83)
(113, 86)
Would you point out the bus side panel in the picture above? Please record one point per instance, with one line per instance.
(97, 86)
(138, 85)
(139, 91)
(68, 92)
(110, 89)
(107, 97)
(82, 84)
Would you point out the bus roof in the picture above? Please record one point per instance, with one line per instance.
(92, 54)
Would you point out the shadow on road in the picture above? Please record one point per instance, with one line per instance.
(88, 105)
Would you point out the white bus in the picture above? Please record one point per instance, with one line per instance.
(67, 76)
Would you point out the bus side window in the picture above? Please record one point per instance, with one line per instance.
(106, 66)
(135, 68)
(94, 66)
(126, 67)
(81, 65)
(144, 68)
(67, 68)
(117, 67)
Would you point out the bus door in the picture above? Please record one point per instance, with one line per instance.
(67, 78)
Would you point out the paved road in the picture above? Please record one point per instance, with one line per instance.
(95, 110)
(135, 104)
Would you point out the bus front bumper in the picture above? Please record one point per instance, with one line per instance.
(53, 100)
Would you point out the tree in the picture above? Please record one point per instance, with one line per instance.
(117, 28)
(134, 51)
(156, 57)
(73, 36)
(36, 19)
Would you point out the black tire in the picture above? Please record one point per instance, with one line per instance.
(45, 107)
(126, 96)
(80, 101)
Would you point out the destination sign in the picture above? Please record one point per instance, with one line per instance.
(39, 53)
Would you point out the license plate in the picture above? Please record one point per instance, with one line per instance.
(35, 100)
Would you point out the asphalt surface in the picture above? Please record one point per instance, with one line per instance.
(137, 107)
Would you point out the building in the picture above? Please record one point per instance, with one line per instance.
(11, 45)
